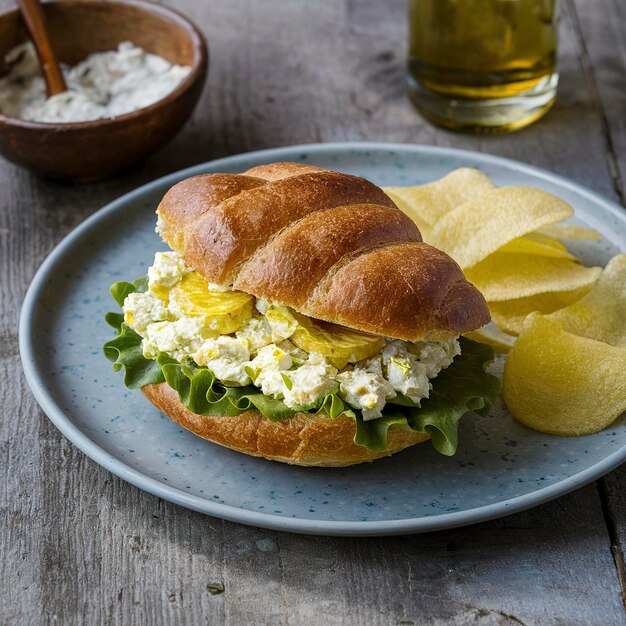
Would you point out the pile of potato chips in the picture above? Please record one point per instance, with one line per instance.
(566, 372)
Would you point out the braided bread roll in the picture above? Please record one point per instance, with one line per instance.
(331, 246)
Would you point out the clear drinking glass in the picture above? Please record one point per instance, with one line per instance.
(482, 65)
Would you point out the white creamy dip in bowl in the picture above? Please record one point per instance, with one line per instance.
(102, 86)
(95, 149)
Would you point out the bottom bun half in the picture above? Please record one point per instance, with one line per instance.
(305, 439)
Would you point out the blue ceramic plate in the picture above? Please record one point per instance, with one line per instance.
(501, 467)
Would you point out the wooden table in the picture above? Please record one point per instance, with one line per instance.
(79, 545)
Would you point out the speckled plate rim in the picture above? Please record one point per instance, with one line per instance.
(274, 521)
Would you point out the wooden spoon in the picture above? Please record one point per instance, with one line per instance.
(32, 14)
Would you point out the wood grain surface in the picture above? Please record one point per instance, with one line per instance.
(80, 546)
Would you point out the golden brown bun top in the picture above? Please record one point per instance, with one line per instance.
(329, 245)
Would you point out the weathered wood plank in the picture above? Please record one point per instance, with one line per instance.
(613, 495)
(122, 564)
(80, 546)
(601, 35)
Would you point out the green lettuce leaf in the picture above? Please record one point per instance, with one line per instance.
(463, 387)
(125, 351)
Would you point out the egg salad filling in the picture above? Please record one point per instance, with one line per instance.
(225, 353)
(288, 356)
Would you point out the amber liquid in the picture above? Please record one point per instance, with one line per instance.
(481, 49)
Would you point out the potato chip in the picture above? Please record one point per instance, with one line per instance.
(528, 244)
(562, 384)
(546, 240)
(397, 195)
(507, 276)
(476, 229)
(510, 315)
(570, 231)
(492, 336)
(426, 204)
(601, 314)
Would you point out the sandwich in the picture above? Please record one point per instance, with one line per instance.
(298, 316)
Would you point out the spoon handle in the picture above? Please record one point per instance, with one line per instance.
(32, 14)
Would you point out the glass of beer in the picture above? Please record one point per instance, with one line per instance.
(482, 65)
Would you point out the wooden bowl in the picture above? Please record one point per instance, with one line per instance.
(90, 151)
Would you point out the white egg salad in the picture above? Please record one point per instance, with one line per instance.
(288, 356)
